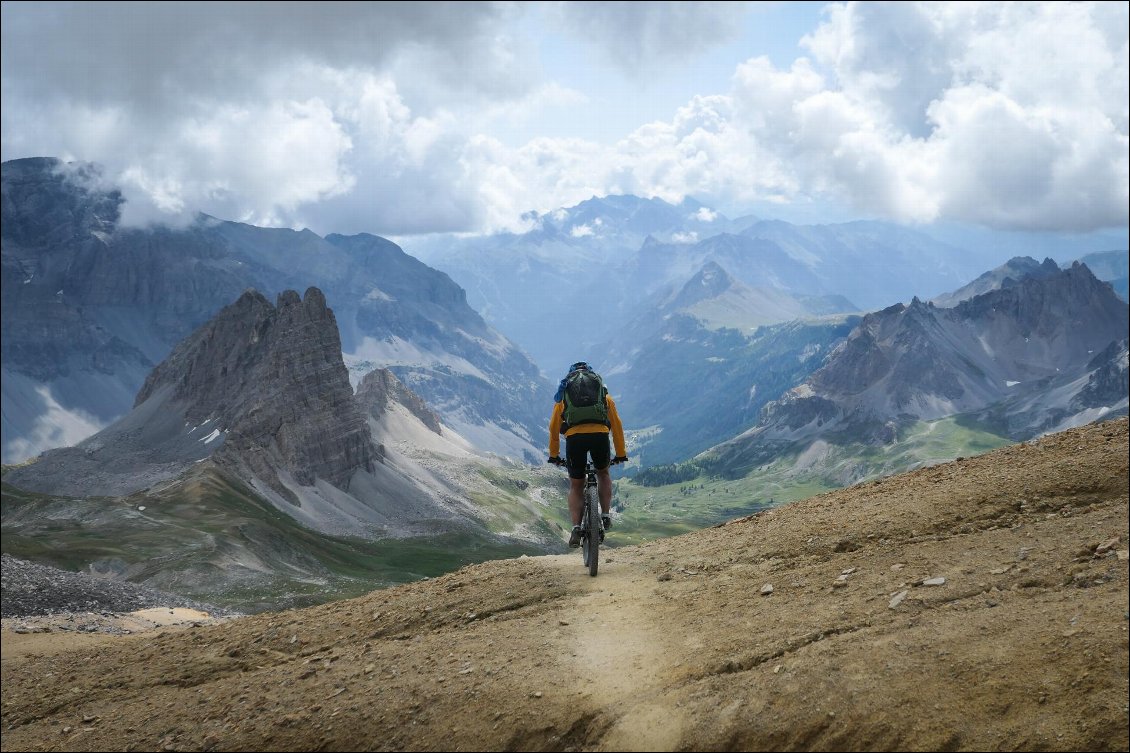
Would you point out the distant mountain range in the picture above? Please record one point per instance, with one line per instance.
(236, 433)
(1112, 267)
(581, 273)
(1042, 353)
(89, 307)
(252, 420)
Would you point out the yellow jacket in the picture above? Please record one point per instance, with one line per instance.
(613, 418)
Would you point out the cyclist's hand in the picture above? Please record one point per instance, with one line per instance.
(619, 459)
(555, 460)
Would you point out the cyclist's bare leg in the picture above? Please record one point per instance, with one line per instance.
(576, 499)
(604, 487)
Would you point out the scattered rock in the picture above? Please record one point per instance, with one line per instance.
(897, 599)
(1106, 547)
(846, 545)
(767, 589)
(28, 589)
(664, 576)
(931, 582)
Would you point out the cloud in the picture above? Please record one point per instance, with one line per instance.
(332, 115)
(1008, 115)
(636, 35)
(162, 54)
(390, 117)
(55, 427)
(1012, 116)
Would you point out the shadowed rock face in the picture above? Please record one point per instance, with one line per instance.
(274, 377)
(1110, 380)
(380, 386)
(261, 389)
(1042, 352)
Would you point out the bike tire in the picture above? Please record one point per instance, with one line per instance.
(585, 534)
(592, 504)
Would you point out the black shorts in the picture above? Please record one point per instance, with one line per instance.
(579, 446)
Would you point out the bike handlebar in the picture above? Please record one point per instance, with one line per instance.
(560, 463)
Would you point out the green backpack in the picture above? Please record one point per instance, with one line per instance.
(584, 399)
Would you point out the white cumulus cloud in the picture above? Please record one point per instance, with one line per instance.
(395, 119)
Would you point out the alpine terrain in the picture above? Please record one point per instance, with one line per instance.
(1040, 354)
(90, 306)
(975, 605)
(249, 464)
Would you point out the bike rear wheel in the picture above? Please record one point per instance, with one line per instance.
(592, 533)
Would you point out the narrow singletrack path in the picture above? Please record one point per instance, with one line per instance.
(621, 659)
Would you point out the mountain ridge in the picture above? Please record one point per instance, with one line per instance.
(251, 426)
(90, 306)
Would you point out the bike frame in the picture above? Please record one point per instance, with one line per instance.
(592, 527)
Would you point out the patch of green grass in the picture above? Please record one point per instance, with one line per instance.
(652, 512)
(212, 539)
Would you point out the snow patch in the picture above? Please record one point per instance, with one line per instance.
(1010, 383)
(214, 435)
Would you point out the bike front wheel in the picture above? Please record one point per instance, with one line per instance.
(592, 533)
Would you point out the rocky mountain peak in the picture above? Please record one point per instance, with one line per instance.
(259, 388)
(710, 281)
(380, 387)
(289, 395)
(1006, 275)
(1005, 350)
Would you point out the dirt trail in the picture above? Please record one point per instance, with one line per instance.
(975, 605)
(620, 654)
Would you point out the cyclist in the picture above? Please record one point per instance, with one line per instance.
(586, 431)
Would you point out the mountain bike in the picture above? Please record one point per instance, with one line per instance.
(592, 527)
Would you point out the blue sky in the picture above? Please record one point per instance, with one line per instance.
(618, 98)
(406, 118)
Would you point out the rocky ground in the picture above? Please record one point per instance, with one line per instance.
(976, 605)
(47, 594)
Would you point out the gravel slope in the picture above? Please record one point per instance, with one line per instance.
(28, 589)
